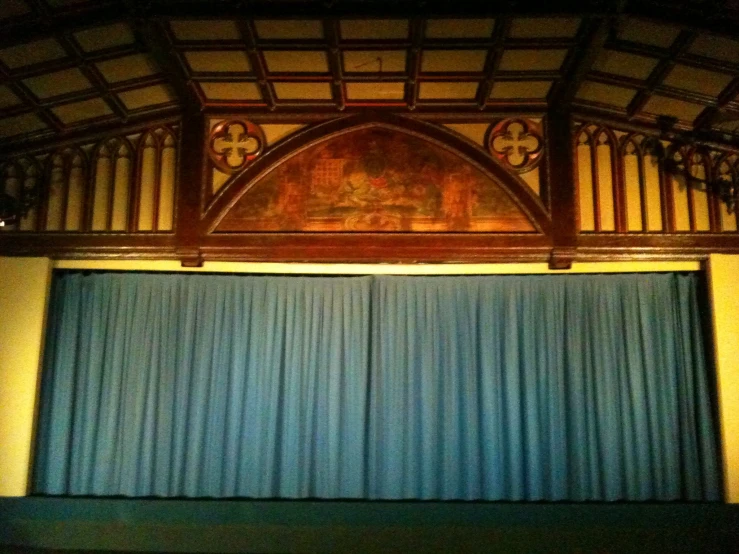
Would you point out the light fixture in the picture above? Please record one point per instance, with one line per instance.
(724, 186)
(12, 210)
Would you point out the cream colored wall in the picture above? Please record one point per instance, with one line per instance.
(24, 290)
(24, 286)
(723, 271)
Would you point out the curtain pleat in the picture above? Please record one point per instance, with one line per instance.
(578, 387)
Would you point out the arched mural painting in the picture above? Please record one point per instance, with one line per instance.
(376, 179)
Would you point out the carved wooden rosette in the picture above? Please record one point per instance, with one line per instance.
(233, 144)
(517, 144)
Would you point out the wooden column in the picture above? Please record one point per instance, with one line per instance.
(561, 183)
(191, 176)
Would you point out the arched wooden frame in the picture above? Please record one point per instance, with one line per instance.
(644, 147)
(242, 181)
(159, 136)
(67, 156)
(616, 166)
(704, 160)
(731, 160)
(12, 169)
(113, 146)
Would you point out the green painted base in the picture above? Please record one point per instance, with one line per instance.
(338, 526)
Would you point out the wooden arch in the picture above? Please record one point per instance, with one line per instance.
(477, 160)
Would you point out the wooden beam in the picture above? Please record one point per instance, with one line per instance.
(492, 61)
(593, 37)
(560, 175)
(711, 116)
(152, 35)
(679, 47)
(414, 63)
(331, 32)
(191, 178)
(257, 62)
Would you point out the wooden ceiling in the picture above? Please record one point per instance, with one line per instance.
(72, 66)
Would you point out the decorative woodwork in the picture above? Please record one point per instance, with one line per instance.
(143, 129)
(233, 144)
(604, 194)
(123, 184)
(517, 144)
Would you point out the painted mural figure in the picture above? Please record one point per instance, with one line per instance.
(376, 180)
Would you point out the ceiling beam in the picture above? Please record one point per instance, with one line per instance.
(492, 61)
(152, 35)
(593, 37)
(713, 115)
(663, 68)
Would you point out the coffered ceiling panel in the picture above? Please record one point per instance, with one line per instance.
(147, 96)
(244, 91)
(430, 90)
(20, 124)
(218, 61)
(80, 111)
(127, 68)
(290, 29)
(306, 61)
(302, 91)
(107, 36)
(628, 65)
(611, 95)
(648, 32)
(532, 60)
(374, 29)
(207, 30)
(459, 28)
(7, 98)
(374, 61)
(698, 80)
(57, 83)
(544, 27)
(520, 89)
(453, 61)
(383, 90)
(32, 53)
(683, 111)
(719, 48)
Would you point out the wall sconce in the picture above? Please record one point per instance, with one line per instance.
(12, 210)
(724, 186)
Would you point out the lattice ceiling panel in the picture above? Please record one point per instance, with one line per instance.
(67, 66)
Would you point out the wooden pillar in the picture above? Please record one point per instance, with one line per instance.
(561, 189)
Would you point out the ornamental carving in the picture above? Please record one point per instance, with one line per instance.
(517, 144)
(234, 144)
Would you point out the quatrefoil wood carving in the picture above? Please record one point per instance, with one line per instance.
(234, 144)
(517, 144)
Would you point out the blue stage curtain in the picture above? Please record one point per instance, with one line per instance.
(187, 385)
(577, 387)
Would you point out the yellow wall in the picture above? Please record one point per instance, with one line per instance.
(723, 272)
(24, 286)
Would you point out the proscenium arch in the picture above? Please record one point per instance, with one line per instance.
(242, 182)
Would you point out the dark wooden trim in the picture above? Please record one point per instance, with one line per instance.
(191, 180)
(561, 179)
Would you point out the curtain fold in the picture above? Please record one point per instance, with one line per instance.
(577, 387)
